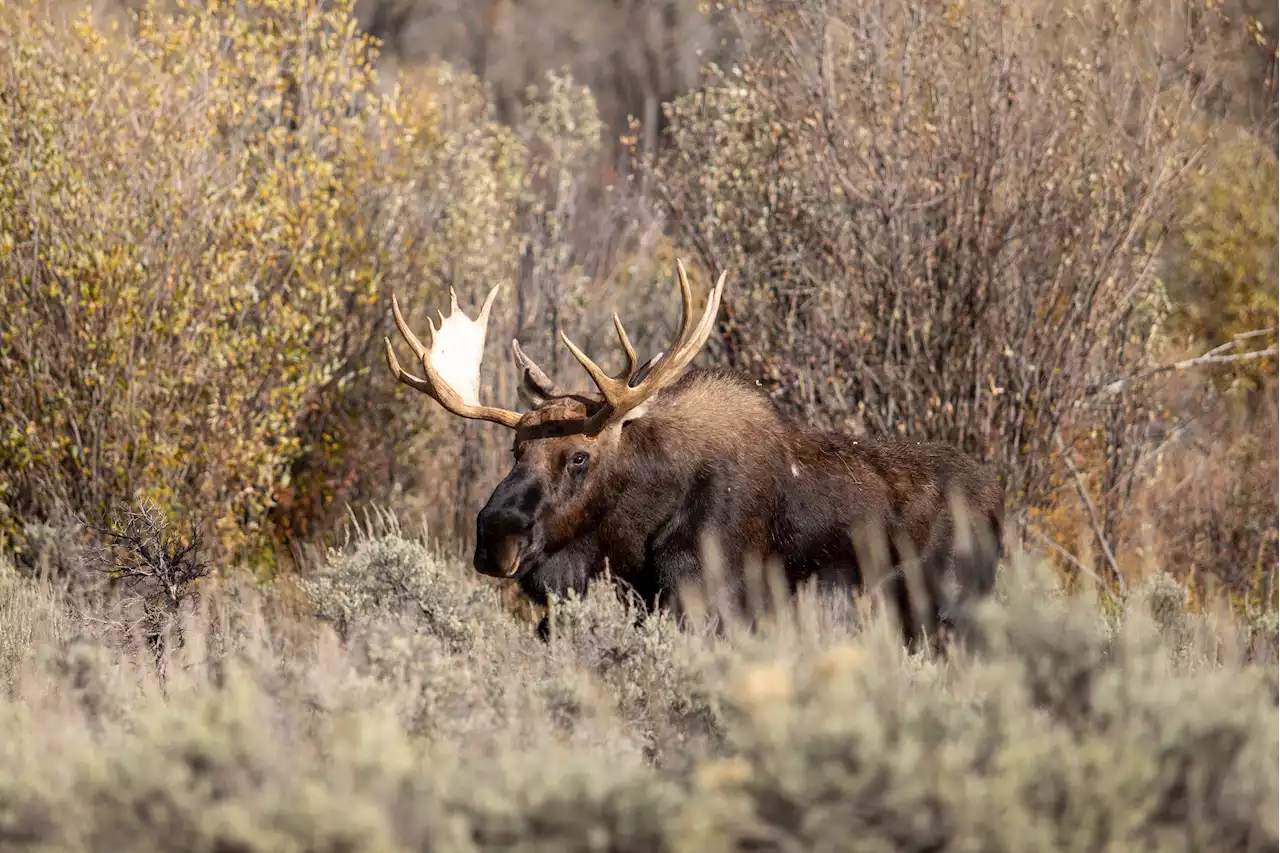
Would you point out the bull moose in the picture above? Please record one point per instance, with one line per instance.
(636, 476)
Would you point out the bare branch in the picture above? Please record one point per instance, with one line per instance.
(1217, 355)
(1069, 557)
(1091, 509)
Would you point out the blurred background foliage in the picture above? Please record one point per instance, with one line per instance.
(977, 221)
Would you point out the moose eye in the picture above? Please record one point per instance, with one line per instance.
(579, 459)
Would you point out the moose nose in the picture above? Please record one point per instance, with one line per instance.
(501, 560)
(505, 526)
(501, 536)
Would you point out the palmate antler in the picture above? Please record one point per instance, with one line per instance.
(452, 364)
(621, 398)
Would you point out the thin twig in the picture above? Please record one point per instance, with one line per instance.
(1213, 356)
(1091, 509)
(1067, 555)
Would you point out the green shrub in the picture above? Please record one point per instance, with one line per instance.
(181, 223)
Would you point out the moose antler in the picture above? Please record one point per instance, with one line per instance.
(620, 397)
(534, 382)
(452, 364)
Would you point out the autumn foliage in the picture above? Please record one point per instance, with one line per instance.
(200, 222)
(985, 223)
(1045, 232)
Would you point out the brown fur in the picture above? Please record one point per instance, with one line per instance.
(712, 455)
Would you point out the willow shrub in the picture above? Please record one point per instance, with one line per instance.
(1226, 247)
(201, 222)
(942, 220)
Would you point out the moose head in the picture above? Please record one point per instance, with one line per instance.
(568, 449)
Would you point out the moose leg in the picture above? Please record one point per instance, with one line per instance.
(975, 559)
(672, 561)
(918, 589)
(676, 555)
(959, 569)
(570, 569)
(913, 603)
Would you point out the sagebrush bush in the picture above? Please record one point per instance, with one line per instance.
(1064, 728)
(386, 576)
(404, 611)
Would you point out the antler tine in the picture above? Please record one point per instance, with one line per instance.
(626, 344)
(696, 336)
(621, 398)
(686, 298)
(418, 349)
(464, 333)
(536, 373)
(404, 376)
(606, 383)
(601, 378)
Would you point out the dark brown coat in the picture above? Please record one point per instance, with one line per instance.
(665, 456)
(714, 456)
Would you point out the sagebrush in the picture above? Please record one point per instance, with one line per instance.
(391, 704)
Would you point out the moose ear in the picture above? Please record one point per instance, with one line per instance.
(535, 387)
(643, 370)
(636, 378)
